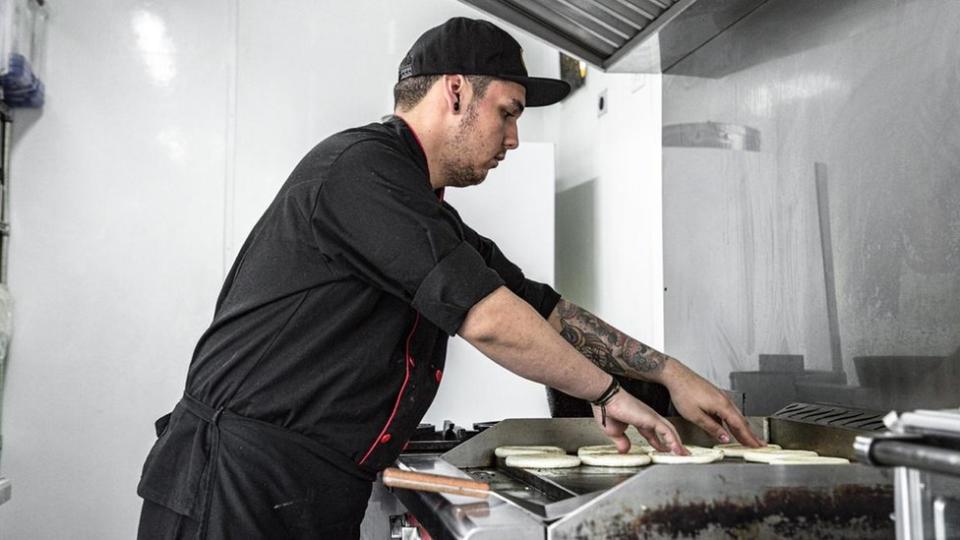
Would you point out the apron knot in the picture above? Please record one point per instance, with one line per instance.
(203, 411)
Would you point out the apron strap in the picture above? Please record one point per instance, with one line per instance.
(201, 410)
(212, 417)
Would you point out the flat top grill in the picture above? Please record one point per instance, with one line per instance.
(645, 502)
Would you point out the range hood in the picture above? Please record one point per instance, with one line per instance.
(622, 36)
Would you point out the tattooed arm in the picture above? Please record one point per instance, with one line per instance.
(610, 349)
(510, 332)
(619, 354)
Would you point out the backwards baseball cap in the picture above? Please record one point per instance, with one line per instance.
(471, 47)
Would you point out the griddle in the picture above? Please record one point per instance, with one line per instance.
(716, 500)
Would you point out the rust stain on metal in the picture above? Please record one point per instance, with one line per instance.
(846, 511)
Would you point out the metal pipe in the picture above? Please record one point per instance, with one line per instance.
(896, 453)
(6, 134)
(826, 250)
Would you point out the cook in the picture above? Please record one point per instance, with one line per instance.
(329, 335)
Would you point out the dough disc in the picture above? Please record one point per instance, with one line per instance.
(616, 460)
(765, 457)
(611, 449)
(697, 455)
(809, 460)
(543, 461)
(737, 449)
(505, 451)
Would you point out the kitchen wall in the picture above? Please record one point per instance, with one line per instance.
(117, 208)
(515, 207)
(609, 232)
(167, 129)
(863, 95)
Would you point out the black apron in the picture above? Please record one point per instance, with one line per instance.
(255, 480)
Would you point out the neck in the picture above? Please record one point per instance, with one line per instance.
(430, 132)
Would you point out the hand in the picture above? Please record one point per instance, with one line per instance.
(625, 410)
(706, 406)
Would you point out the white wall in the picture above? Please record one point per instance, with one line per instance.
(167, 129)
(307, 71)
(514, 207)
(619, 152)
(117, 212)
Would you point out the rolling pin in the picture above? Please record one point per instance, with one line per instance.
(417, 481)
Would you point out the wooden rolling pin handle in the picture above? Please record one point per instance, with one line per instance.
(396, 478)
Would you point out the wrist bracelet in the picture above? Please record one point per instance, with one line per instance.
(605, 398)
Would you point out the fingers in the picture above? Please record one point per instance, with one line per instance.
(740, 428)
(712, 427)
(625, 409)
(651, 436)
(667, 434)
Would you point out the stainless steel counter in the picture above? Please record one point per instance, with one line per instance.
(731, 498)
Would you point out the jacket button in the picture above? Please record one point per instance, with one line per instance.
(438, 375)
(385, 439)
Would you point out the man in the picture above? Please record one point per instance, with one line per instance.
(330, 333)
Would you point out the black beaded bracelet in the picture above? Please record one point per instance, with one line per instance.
(605, 398)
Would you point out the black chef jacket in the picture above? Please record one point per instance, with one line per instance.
(329, 336)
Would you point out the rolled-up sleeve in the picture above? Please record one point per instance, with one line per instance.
(540, 296)
(377, 217)
(453, 286)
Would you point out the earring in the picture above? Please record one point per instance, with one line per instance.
(456, 106)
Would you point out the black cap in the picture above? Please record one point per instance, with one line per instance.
(471, 47)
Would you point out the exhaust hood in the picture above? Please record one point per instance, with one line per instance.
(622, 36)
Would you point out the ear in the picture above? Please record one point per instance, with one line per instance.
(453, 86)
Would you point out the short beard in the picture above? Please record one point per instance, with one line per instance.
(457, 173)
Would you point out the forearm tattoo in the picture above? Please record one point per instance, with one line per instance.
(610, 349)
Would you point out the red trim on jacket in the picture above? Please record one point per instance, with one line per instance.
(410, 363)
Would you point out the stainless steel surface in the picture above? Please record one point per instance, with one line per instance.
(451, 516)
(712, 135)
(826, 250)
(6, 138)
(833, 416)
(922, 449)
(833, 428)
(658, 501)
(6, 488)
(567, 433)
(946, 518)
(893, 453)
(738, 501)
(638, 36)
(866, 92)
(545, 497)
